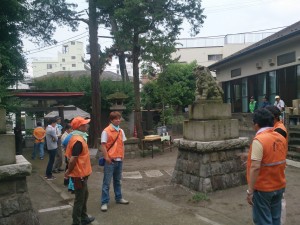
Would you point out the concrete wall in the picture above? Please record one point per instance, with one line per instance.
(201, 54)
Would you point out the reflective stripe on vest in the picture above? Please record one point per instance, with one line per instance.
(274, 163)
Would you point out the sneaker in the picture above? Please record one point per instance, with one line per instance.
(104, 207)
(122, 201)
(41, 158)
(87, 220)
(60, 170)
(51, 178)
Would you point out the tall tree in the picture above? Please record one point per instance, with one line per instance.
(149, 25)
(95, 73)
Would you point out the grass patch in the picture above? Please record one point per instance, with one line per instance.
(199, 197)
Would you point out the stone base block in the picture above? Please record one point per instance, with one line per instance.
(202, 111)
(8, 149)
(210, 130)
(210, 168)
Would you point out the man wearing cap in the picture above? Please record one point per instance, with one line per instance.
(252, 105)
(279, 103)
(79, 169)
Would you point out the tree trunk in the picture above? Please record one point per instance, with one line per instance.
(121, 54)
(95, 72)
(123, 69)
(136, 84)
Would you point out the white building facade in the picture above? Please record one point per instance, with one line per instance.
(70, 59)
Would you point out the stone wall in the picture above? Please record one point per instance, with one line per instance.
(211, 168)
(132, 148)
(15, 204)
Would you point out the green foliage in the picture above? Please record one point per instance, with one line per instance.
(83, 84)
(34, 19)
(174, 87)
(198, 197)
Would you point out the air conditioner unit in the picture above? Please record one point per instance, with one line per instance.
(259, 65)
(271, 62)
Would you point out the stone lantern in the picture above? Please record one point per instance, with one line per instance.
(117, 100)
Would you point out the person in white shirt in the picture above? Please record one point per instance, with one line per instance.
(279, 103)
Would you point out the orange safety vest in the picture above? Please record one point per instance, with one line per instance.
(83, 166)
(39, 132)
(271, 175)
(117, 150)
(280, 125)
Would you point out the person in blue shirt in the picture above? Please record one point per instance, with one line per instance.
(265, 102)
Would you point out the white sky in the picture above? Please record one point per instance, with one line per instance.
(223, 17)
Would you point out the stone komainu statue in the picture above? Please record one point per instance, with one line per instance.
(206, 86)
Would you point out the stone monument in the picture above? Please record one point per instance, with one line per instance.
(15, 204)
(208, 157)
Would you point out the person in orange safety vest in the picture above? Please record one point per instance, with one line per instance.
(112, 146)
(265, 170)
(79, 169)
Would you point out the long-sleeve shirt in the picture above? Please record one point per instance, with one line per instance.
(51, 138)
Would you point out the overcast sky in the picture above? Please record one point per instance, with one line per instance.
(223, 17)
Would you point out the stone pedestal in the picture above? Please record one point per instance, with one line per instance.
(210, 166)
(209, 153)
(8, 154)
(15, 203)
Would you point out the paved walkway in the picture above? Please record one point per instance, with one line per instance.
(153, 199)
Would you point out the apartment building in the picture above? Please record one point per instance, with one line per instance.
(71, 58)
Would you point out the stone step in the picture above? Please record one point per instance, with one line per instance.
(293, 155)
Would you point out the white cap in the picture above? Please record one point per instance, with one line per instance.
(277, 96)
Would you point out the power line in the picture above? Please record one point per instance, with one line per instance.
(57, 44)
(53, 46)
(223, 35)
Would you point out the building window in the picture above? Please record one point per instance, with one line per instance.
(73, 65)
(73, 57)
(64, 68)
(272, 85)
(118, 66)
(261, 86)
(227, 93)
(244, 95)
(118, 72)
(215, 57)
(63, 60)
(236, 72)
(49, 66)
(72, 42)
(286, 58)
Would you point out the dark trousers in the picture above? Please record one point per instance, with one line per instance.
(52, 154)
(80, 209)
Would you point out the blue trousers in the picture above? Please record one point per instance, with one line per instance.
(38, 147)
(52, 154)
(113, 170)
(267, 207)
